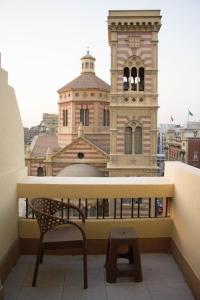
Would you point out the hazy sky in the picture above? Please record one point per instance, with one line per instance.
(42, 41)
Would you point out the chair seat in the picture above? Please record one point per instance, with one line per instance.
(62, 234)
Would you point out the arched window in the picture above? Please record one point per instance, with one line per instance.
(141, 76)
(126, 79)
(133, 79)
(84, 116)
(40, 171)
(106, 117)
(65, 117)
(138, 140)
(82, 113)
(128, 140)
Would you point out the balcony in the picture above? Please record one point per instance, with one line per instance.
(162, 277)
(165, 237)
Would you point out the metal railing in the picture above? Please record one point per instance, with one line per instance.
(117, 208)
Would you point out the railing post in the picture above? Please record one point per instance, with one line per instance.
(153, 203)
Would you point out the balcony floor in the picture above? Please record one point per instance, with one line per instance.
(60, 278)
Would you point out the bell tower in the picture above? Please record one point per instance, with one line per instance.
(133, 38)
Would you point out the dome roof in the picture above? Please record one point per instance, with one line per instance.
(86, 81)
(88, 55)
(80, 170)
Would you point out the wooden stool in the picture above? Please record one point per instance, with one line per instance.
(119, 237)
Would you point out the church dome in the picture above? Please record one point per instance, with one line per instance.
(87, 79)
(80, 170)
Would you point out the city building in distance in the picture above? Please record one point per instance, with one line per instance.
(183, 144)
(48, 125)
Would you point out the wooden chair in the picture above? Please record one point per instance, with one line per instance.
(54, 236)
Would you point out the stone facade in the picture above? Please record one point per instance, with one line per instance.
(117, 121)
(133, 38)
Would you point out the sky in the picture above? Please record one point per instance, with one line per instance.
(42, 41)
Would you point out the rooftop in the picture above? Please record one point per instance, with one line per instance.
(86, 81)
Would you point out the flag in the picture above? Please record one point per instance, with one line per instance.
(172, 119)
(189, 113)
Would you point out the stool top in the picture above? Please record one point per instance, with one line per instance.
(123, 233)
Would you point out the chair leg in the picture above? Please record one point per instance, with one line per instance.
(38, 259)
(42, 254)
(107, 253)
(85, 266)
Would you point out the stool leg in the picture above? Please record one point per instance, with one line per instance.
(137, 262)
(111, 266)
(130, 255)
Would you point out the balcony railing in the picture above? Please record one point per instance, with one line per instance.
(102, 198)
(117, 208)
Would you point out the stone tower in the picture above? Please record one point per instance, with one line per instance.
(133, 38)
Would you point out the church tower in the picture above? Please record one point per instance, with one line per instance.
(133, 38)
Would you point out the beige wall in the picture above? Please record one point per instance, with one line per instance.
(99, 229)
(11, 163)
(186, 211)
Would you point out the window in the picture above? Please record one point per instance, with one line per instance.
(91, 65)
(87, 65)
(106, 117)
(84, 116)
(195, 156)
(141, 77)
(82, 113)
(138, 140)
(80, 155)
(126, 79)
(65, 117)
(133, 79)
(128, 140)
(40, 172)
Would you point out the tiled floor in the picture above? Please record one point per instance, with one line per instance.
(60, 278)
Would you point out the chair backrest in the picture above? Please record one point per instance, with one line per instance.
(44, 209)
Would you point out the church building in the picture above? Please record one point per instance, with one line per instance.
(108, 130)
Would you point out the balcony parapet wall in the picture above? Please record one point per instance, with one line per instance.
(91, 187)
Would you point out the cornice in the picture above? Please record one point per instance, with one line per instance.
(134, 26)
